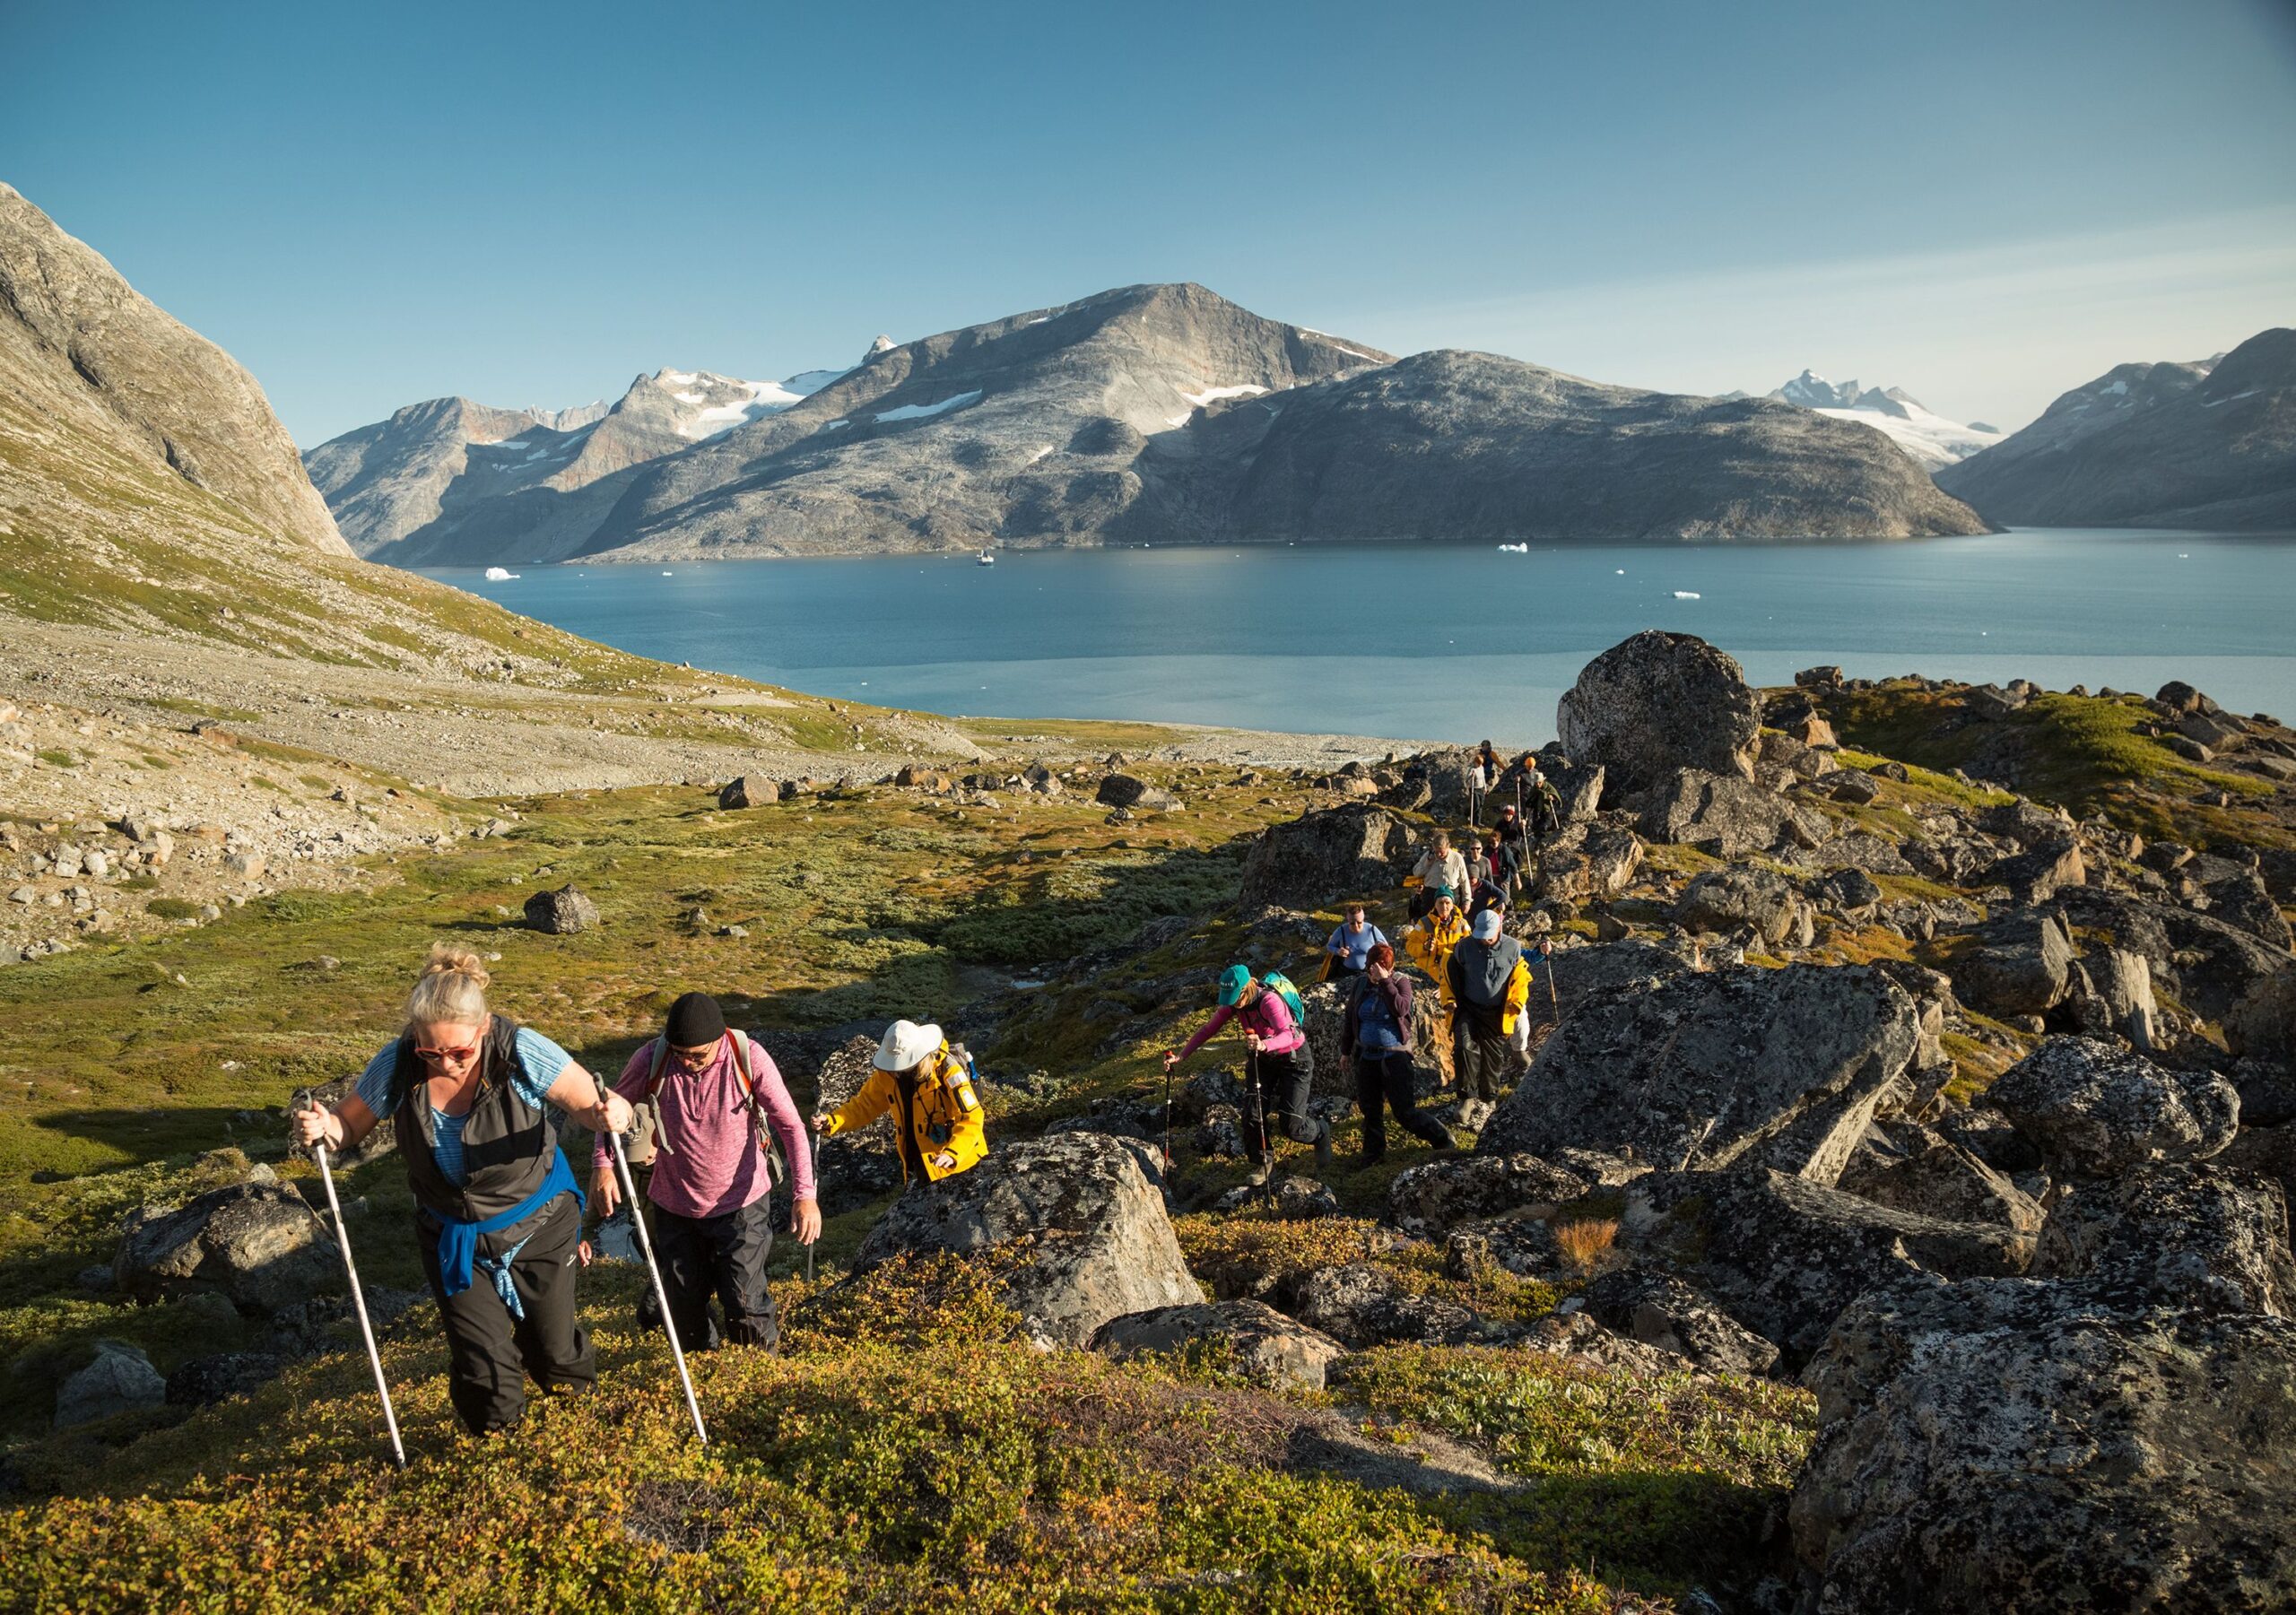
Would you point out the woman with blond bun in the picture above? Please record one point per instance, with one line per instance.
(497, 1210)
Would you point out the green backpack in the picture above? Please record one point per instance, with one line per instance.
(1279, 984)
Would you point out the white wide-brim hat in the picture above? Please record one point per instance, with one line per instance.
(907, 1044)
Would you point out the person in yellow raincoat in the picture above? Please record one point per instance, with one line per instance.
(1489, 984)
(937, 1115)
(1427, 944)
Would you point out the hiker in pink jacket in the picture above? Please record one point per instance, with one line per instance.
(716, 1093)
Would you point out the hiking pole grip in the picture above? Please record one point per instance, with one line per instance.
(661, 1294)
(358, 1295)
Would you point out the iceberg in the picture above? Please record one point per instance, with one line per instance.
(499, 575)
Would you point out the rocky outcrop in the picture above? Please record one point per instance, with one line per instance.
(1662, 1311)
(2048, 1449)
(1941, 1179)
(1362, 1306)
(2095, 1111)
(91, 355)
(2020, 963)
(1705, 1069)
(1657, 703)
(1442, 1194)
(560, 913)
(1357, 851)
(119, 1380)
(1588, 865)
(2187, 1235)
(1745, 896)
(1727, 817)
(1785, 1257)
(258, 1243)
(1248, 1336)
(1077, 1233)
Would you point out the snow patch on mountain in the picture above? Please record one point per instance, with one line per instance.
(919, 412)
(1245, 390)
(1929, 438)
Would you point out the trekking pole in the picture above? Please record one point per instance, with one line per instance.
(358, 1296)
(661, 1295)
(1552, 1001)
(1168, 1118)
(1259, 1107)
(814, 1144)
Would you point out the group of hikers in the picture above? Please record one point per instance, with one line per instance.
(500, 1210)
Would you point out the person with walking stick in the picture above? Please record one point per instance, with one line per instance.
(498, 1212)
(937, 1115)
(1278, 1053)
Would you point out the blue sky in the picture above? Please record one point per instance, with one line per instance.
(1984, 204)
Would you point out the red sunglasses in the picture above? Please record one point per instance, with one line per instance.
(466, 1052)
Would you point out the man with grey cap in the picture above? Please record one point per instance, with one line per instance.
(1490, 982)
(928, 1091)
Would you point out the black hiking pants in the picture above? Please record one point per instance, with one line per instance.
(1388, 1077)
(1284, 1082)
(1480, 1053)
(725, 1255)
(490, 1354)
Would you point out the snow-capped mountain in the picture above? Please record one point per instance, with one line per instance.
(1929, 438)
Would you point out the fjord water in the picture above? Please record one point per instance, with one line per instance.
(1441, 641)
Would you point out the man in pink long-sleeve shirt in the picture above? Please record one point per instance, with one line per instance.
(712, 1223)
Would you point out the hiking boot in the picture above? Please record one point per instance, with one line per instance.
(1323, 1149)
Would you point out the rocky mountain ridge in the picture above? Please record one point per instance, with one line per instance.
(1928, 437)
(2203, 443)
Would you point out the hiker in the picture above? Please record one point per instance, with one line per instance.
(1281, 1064)
(1428, 944)
(498, 1212)
(1486, 767)
(1546, 801)
(929, 1092)
(1439, 870)
(1490, 985)
(1514, 846)
(1351, 944)
(1492, 882)
(1375, 1033)
(718, 1097)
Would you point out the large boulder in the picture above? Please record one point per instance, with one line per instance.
(1658, 702)
(2206, 964)
(1661, 1310)
(1724, 815)
(1267, 1347)
(120, 1380)
(1358, 851)
(1599, 864)
(1077, 1233)
(1944, 1180)
(2191, 1236)
(1131, 791)
(1742, 895)
(259, 1244)
(2051, 1449)
(1326, 1002)
(562, 912)
(1441, 1193)
(1707, 1068)
(1785, 1257)
(2020, 963)
(1581, 976)
(2095, 1111)
(1361, 1305)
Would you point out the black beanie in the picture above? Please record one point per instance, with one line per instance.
(695, 1020)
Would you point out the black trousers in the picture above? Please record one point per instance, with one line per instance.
(1388, 1077)
(490, 1354)
(1480, 1054)
(725, 1255)
(1285, 1083)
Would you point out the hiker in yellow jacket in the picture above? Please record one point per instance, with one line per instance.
(937, 1115)
(1429, 945)
(1490, 982)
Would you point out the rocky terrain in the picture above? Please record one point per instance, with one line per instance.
(2206, 444)
(1166, 414)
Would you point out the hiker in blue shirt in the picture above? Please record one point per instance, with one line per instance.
(1351, 944)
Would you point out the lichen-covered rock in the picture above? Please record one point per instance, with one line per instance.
(2189, 1236)
(2095, 1111)
(2020, 964)
(119, 1380)
(1361, 1307)
(1094, 1233)
(1701, 1070)
(1656, 702)
(2205, 963)
(1785, 1257)
(560, 913)
(1268, 1348)
(1724, 815)
(1601, 864)
(1130, 791)
(2048, 1449)
(1442, 1194)
(258, 1243)
(1356, 851)
(1742, 895)
(1580, 975)
(1662, 1311)
(1941, 1179)
(2263, 1024)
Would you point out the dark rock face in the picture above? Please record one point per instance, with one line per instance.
(258, 1243)
(1658, 702)
(2047, 1448)
(2096, 1111)
(2021, 964)
(2187, 1235)
(121, 1379)
(2162, 445)
(1270, 1348)
(1723, 815)
(1786, 1257)
(1662, 1311)
(1360, 1305)
(751, 790)
(2263, 1024)
(1098, 1242)
(206, 1380)
(1946, 1181)
(1442, 1194)
(1333, 854)
(1599, 864)
(1579, 976)
(560, 913)
(2205, 963)
(1130, 791)
(1744, 895)
(1702, 1070)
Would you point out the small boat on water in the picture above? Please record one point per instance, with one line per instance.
(1522, 549)
(987, 560)
(1686, 595)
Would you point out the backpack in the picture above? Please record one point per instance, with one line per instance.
(1278, 983)
(777, 1168)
